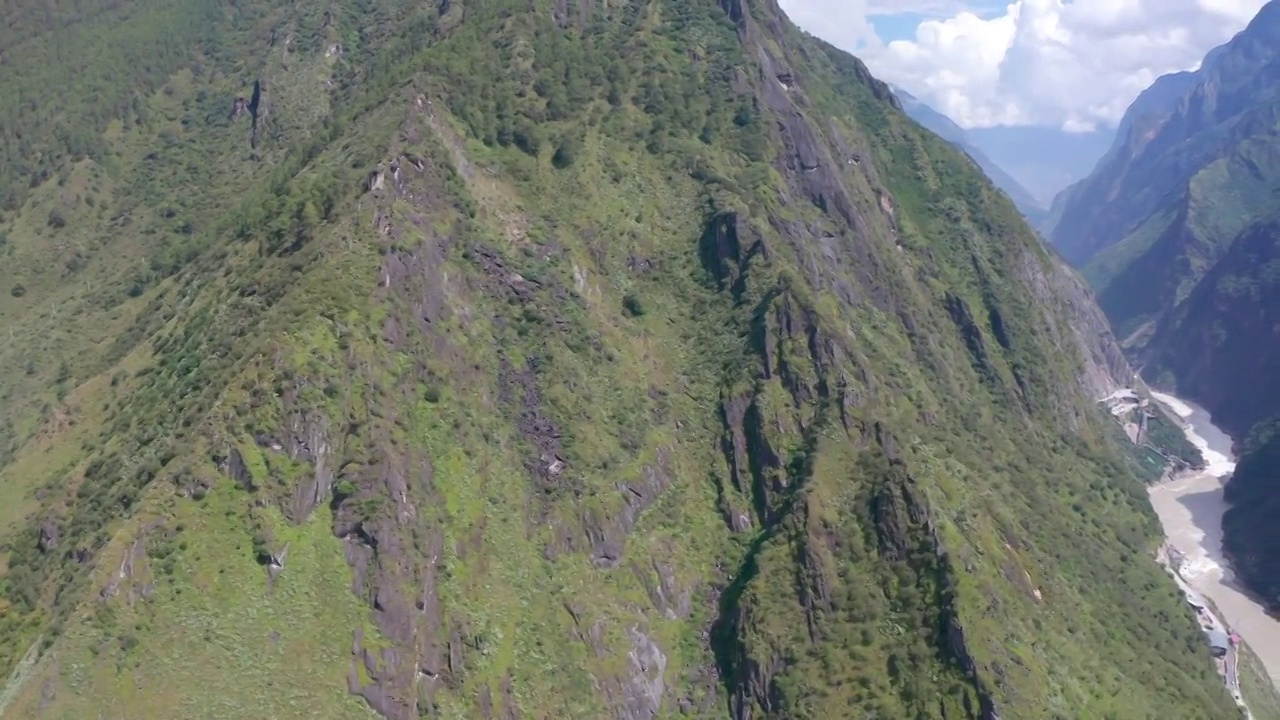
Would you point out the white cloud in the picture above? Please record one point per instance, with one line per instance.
(1074, 64)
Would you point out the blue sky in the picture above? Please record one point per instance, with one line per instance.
(902, 25)
(891, 24)
(896, 27)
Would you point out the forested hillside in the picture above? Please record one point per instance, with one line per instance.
(558, 359)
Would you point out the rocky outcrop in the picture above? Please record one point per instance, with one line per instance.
(232, 464)
(49, 535)
(640, 696)
(545, 460)
(133, 574)
(971, 333)
(1079, 325)
(727, 248)
(393, 549)
(607, 528)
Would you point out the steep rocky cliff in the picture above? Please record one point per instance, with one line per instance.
(1250, 536)
(564, 359)
(1220, 345)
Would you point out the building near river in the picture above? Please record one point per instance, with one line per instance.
(1219, 642)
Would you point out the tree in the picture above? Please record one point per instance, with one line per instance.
(527, 138)
(566, 151)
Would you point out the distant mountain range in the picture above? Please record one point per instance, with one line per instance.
(1044, 159)
(947, 129)
(1032, 164)
(1195, 164)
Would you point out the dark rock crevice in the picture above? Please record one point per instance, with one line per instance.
(258, 107)
(971, 334)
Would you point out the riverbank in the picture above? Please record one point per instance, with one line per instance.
(1190, 506)
(1211, 622)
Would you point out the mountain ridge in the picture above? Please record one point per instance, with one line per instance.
(1192, 173)
(946, 128)
(1150, 158)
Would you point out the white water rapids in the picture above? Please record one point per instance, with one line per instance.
(1191, 507)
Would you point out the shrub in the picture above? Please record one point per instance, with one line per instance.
(632, 305)
(566, 152)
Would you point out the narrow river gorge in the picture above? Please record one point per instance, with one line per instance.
(1191, 507)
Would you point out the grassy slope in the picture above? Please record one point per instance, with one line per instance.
(1255, 684)
(289, 299)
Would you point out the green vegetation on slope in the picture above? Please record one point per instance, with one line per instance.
(1256, 686)
(637, 360)
(946, 128)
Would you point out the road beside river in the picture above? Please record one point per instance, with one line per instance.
(1190, 507)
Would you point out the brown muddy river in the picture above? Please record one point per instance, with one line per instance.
(1191, 509)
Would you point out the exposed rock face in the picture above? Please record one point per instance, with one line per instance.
(1106, 368)
(48, 536)
(259, 107)
(234, 466)
(643, 695)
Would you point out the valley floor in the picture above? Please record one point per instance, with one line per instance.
(1190, 507)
